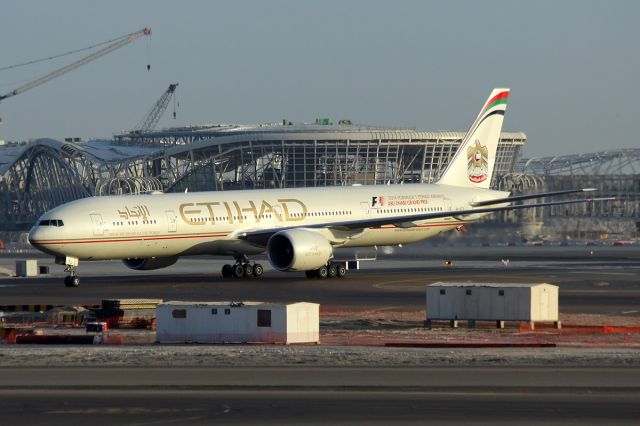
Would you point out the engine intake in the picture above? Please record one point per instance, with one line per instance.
(298, 250)
(149, 263)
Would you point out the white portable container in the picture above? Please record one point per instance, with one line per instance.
(27, 268)
(492, 301)
(237, 322)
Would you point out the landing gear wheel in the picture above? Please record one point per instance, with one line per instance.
(341, 270)
(311, 274)
(238, 270)
(248, 270)
(257, 270)
(227, 271)
(72, 281)
(322, 272)
(332, 270)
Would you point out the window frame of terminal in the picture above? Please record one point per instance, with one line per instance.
(51, 222)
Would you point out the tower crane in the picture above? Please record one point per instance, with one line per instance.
(151, 119)
(118, 43)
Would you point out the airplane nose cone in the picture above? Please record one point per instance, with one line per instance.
(33, 236)
(38, 235)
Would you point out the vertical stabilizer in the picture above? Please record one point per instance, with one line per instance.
(472, 164)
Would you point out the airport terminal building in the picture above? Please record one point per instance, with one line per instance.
(46, 173)
(42, 174)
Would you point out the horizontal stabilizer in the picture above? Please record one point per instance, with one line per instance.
(529, 197)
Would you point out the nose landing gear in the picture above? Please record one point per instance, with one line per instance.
(71, 280)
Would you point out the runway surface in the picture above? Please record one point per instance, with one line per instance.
(604, 282)
(317, 395)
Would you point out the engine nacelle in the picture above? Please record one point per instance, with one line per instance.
(149, 263)
(298, 250)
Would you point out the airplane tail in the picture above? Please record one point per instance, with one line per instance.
(472, 165)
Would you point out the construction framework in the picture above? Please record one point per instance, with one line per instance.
(47, 173)
(615, 173)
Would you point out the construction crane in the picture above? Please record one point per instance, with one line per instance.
(118, 43)
(151, 119)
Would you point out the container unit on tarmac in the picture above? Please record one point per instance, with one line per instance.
(128, 313)
(27, 268)
(238, 322)
(500, 302)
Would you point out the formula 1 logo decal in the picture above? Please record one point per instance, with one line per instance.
(478, 162)
(377, 201)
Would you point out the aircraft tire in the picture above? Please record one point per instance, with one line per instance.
(322, 272)
(311, 274)
(332, 270)
(227, 271)
(341, 270)
(74, 281)
(257, 270)
(248, 270)
(238, 270)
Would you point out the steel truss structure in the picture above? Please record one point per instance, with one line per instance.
(615, 173)
(48, 172)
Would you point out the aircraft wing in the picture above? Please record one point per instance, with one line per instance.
(261, 237)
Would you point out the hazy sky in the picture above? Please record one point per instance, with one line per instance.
(573, 66)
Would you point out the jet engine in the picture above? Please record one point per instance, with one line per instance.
(149, 263)
(298, 250)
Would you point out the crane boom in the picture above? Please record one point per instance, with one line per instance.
(151, 119)
(57, 73)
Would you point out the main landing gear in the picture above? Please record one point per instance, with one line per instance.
(331, 270)
(242, 269)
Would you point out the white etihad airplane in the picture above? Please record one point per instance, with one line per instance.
(299, 229)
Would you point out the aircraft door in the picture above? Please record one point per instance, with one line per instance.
(277, 216)
(96, 221)
(447, 204)
(544, 303)
(171, 221)
(366, 210)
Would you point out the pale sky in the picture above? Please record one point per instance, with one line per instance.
(573, 66)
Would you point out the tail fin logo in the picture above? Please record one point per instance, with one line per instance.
(478, 162)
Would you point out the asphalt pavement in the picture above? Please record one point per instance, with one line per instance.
(320, 395)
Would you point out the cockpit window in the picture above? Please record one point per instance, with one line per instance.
(51, 222)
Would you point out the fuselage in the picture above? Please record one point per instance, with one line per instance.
(180, 224)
